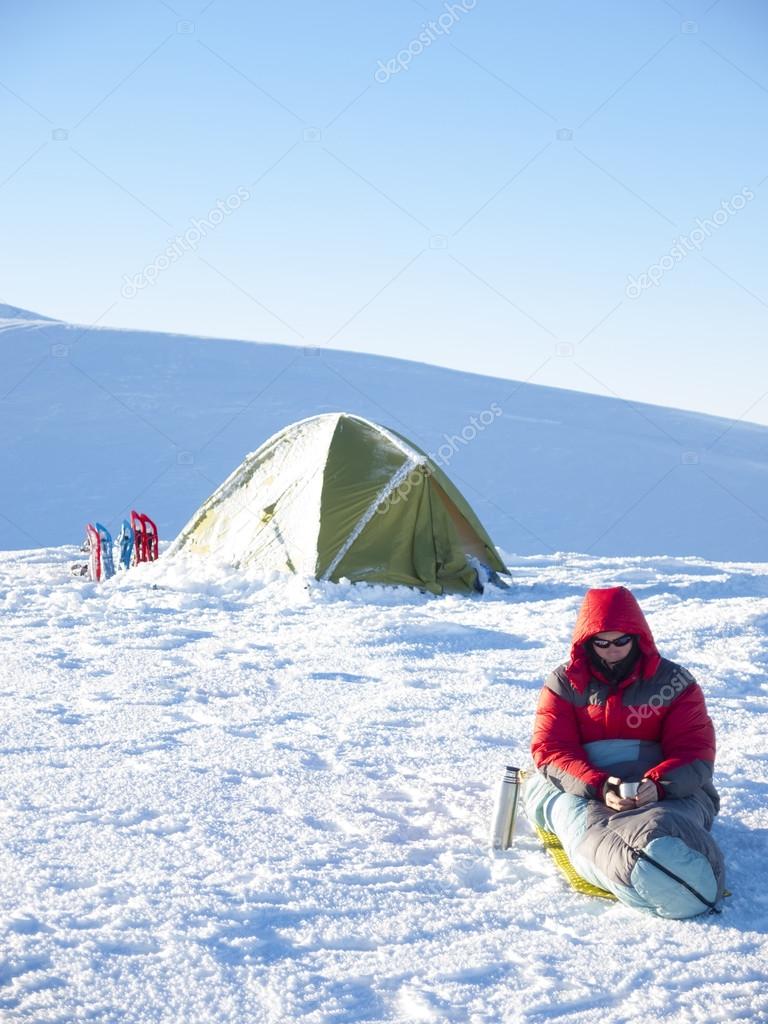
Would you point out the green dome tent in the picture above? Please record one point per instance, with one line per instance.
(336, 496)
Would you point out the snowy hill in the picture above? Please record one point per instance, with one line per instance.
(94, 421)
(11, 315)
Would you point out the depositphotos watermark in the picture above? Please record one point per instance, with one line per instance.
(657, 701)
(442, 457)
(431, 30)
(182, 244)
(686, 244)
(476, 425)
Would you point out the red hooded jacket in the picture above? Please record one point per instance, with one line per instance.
(658, 702)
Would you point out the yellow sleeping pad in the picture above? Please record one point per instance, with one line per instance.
(554, 848)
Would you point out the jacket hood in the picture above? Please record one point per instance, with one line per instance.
(606, 610)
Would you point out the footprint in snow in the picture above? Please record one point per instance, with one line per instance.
(65, 715)
(314, 762)
(15, 967)
(343, 677)
(320, 824)
(26, 924)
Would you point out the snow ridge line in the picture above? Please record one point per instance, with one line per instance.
(410, 453)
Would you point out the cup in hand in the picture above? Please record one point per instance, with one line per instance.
(627, 790)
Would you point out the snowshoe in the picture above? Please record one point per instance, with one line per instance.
(92, 545)
(124, 545)
(145, 538)
(107, 562)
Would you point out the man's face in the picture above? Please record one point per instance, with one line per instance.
(612, 653)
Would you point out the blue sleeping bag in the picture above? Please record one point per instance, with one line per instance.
(659, 858)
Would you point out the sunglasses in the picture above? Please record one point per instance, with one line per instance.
(622, 641)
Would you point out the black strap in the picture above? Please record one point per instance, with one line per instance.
(713, 908)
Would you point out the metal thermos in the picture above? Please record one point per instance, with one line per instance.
(505, 809)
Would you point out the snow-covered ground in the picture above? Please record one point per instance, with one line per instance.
(234, 799)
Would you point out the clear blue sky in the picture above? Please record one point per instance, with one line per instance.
(490, 206)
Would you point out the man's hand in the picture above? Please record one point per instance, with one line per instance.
(612, 799)
(646, 793)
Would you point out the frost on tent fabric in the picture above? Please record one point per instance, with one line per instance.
(616, 714)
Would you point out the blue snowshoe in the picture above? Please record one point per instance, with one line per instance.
(107, 562)
(125, 545)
